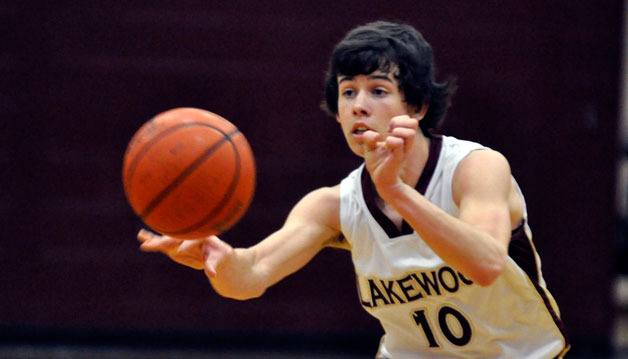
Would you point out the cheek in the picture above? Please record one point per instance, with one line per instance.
(342, 116)
(343, 107)
(346, 131)
(397, 108)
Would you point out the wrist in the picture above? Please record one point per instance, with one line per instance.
(393, 192)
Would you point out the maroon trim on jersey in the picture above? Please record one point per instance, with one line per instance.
(521, 251)
(436, 144)
(370, 193)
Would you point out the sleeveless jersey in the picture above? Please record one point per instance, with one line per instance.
(427, 308)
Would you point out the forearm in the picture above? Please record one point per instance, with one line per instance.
(247, 272)
(465, 247)
(312, 223)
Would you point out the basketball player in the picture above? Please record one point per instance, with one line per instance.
(437, 226)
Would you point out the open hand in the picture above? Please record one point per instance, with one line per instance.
(202, 254)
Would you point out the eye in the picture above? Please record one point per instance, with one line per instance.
(348, 92)
(379, 92)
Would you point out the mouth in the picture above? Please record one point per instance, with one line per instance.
(359, 128)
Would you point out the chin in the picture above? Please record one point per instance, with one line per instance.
(358, 151)
(355, 147)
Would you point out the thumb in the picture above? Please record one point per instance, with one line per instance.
(214, 251)
(371, 139)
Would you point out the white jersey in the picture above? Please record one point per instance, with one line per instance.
(427, 308)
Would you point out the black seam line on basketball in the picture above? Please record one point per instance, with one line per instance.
(223, 200)
(186, 172)
(144, 150)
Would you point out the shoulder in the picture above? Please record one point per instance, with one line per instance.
(485, 158)
(321, 206)
(481, 170)
(318, 213)
(455, 149)
(326, 202)
(325, 196)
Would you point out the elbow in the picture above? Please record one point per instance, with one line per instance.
(488, 273)
(243, 296)
(240, 294)
(487, 278)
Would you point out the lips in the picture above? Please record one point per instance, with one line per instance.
(359, 128)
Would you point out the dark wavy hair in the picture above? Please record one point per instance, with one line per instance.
(390, 46)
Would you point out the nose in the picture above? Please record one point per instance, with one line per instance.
(360, 106)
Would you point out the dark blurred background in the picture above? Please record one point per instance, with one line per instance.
(539, 81)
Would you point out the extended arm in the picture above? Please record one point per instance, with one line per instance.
(244, 273)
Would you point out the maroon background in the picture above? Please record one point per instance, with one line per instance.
(538, 82)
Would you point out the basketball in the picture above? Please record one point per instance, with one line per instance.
(189, 173)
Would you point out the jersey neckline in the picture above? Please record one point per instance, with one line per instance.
(370, 193)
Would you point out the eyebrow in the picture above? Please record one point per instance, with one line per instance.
(370, 77)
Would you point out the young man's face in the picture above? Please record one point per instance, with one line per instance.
(368, 102)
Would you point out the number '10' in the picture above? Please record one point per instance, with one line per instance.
(422, 322)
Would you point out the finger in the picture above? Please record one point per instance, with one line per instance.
(190, 261)
(210, 269)
(393, 143)
(395, 146)
(144, 235)
(404, 132)
(407, 134)
(371, 139)
(213, 243)
(210, 259)
(190, 246)
(160, 244)
(214, 251)
(403, 121)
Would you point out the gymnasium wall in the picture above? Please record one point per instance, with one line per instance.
(537, 81)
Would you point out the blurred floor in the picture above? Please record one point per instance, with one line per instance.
(67, 351)
(99, 352)
(88, 352)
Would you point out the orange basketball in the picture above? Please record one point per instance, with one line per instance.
(189, 173)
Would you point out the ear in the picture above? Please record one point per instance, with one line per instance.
(421, 113)
(337, 118)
